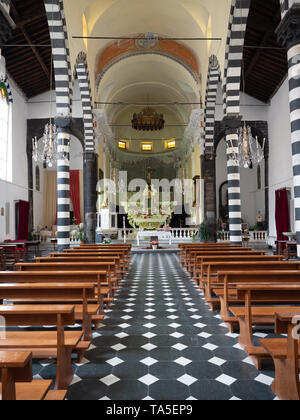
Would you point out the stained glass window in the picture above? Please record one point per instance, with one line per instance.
(5, 137)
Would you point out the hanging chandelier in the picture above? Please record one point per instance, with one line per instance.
(148, 120)
(49, 154)
(250, 152)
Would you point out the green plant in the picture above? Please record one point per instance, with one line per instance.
(204, 232)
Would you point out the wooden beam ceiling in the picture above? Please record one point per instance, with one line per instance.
(29, 64)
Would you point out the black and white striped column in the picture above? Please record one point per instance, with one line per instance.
(213, 78)
(237, 26)
(289, 36)
(61, 56)
(63, 189)
(234, 178)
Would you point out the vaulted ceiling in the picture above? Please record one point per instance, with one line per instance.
(29, 56)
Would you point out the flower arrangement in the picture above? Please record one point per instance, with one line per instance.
(154, 244)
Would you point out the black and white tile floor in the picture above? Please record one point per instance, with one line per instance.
(161, 341)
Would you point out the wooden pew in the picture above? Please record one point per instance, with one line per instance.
(16, 378)
(124, 261)
(190, 266)
(212, 268)
(88, 309)
(228, 281)
(119, 271)
(202, 266)
(272, 296)
(185, 252)
(285, 354)
(184, 248)
(2, 259)
(58, 344)
(192, 255)
(107, 272)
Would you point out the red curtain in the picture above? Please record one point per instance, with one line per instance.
(75, 194)
(282, 215)
(23, 218)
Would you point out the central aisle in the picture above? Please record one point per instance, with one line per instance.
(161, 341)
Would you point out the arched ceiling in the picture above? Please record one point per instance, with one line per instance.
(153, 76)
(172, 18)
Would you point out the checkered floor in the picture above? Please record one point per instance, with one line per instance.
(160, 341)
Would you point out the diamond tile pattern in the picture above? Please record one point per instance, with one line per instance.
(163, 344)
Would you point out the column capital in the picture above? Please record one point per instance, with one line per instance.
(90, 156)
(288, 31)
(231, 123)
(63, 124)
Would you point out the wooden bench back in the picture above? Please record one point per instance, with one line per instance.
(250, 266)
(238, 258)
(51, 276)
(67, 266)
(38, 315)
(257, 276)
(48, 291)
(43, 260)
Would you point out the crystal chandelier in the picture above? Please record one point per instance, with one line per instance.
(250, 152)
(49, 154)
(148, 120)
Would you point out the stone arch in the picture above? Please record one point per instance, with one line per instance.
(81, 72)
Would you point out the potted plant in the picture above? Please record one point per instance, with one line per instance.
(204, 232)
(81, 234)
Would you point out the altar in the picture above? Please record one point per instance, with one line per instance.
(161, 235)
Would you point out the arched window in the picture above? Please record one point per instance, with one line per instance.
(5, 137)
(37, 179)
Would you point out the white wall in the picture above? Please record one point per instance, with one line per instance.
(44, 105)
(18, 189)
(280, 163)
(251, 109)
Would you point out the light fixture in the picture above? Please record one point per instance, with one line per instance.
(170, 144)
(49, 154)
(250, 152)
(146, 147)
(148, 120)
(122, 145)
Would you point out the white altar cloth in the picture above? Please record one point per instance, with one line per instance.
(161, 234)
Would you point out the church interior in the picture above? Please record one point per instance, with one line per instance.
(149, 200)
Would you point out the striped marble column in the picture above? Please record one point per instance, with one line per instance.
(63, 189)
(289, 36)
(234, 178)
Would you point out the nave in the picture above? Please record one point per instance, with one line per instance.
(161, 341)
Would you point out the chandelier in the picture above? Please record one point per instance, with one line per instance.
(148, 120)
(49, 154)
(250, 152)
